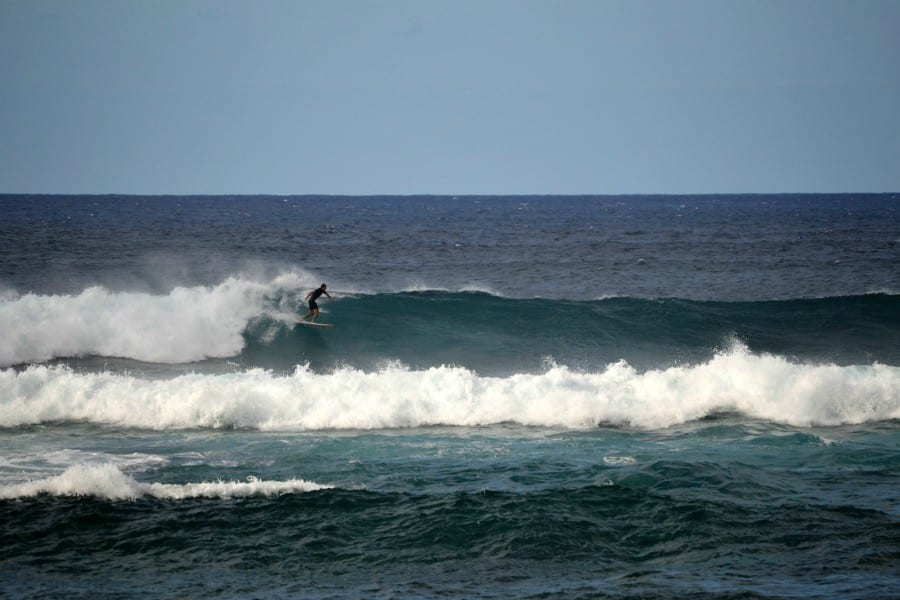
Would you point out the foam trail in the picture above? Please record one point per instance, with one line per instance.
(107, 481)
(188, 324)
(759, 386)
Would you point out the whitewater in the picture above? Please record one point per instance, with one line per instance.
(108, 482)
(187, 324)
(759, 387)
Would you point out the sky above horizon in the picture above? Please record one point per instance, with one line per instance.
(462, 97)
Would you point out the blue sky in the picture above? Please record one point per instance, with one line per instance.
(456, 97)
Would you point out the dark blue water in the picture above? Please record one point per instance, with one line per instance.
(519, 397)
(732, 248)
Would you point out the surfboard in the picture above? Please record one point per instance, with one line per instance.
(311, 324)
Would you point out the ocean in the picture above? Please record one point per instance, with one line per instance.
(519, 397)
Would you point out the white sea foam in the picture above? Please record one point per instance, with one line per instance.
(18, 466)
(107, 481)
(187, 324)
(483, 288)
(759, 386)
(619, 460)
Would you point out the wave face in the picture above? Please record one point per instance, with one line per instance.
(760, 387)
(252, 324)
(495, 335)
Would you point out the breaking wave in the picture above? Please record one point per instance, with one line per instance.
(253, 321)
(767, 387)
(108, 482)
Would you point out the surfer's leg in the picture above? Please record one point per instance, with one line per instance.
(313, 311)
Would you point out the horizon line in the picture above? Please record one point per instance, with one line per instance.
(433, 195)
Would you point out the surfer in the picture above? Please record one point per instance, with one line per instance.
(313, 307)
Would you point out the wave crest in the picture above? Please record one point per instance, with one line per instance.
(107, 481)
(187, 324)
(760, 386)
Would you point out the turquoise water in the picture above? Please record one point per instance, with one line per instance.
(713, 508)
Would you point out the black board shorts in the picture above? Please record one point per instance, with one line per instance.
(313, 305)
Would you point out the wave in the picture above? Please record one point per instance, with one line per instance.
(765, 387)
(187, 324)
(253, 322)
(497, 335)
(108, 482)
